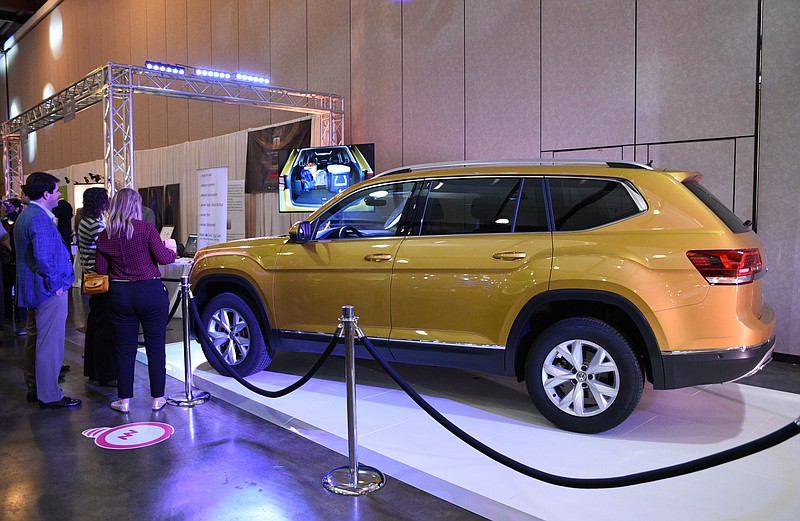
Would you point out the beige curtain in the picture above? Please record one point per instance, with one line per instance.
(178, 164)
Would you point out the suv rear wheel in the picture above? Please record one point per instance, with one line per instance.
(236, 334)
(583, 376)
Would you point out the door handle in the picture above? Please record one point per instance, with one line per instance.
(378, 257)
(509, 255)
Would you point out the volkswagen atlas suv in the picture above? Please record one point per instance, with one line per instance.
(582, 279)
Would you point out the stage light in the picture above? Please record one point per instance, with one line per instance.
(212, 74)
(165, 67)
(251, 78)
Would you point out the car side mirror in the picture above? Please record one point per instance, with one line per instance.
(300, 232)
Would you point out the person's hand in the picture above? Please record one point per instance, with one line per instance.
(171, 244)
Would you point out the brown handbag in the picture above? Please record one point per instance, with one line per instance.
(94, 283)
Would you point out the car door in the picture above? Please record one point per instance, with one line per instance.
(483, 249)
(348, 262)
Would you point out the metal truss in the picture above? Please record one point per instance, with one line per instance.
(118, 130)
(12, 163)
(114, 86)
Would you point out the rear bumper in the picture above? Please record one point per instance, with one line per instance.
(687, 368)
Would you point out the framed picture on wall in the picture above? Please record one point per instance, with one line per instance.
(172, 210)
(153, 199)
(267, 150)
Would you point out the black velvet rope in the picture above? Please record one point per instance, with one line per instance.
(202, 336)
(726, 456)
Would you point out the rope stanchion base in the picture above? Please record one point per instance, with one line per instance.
(190, 400)
(339, 481)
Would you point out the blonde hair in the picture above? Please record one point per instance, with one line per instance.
(126, 205)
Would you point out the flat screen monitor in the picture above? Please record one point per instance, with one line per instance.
(191, 246)
(311, 176)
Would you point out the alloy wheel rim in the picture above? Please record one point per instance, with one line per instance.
(230, 335)
(580, 378)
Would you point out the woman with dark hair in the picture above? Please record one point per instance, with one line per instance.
(11, 208)
(129, 251)
(99, 362)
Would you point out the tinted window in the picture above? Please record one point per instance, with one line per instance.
(580, 204)
(473, 205)
(372, 212)
(531, 216)
(716, 206)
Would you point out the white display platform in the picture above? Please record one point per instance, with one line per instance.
(667, 428)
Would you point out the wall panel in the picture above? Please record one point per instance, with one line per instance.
(224, 56)
(254, 50)
(71, 14)
(99, 19)
(696, 62)
(156, 31)
(141, 102)
(288, 51)
(123, 31)
(376, 100)
(328, 41)
(778, 207)
(177, 52)
(433, 81)
(501, 118)
(588, 73)
(714, 159)
(198, 22)
(603, 154)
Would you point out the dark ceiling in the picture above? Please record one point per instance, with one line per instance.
(14, 13)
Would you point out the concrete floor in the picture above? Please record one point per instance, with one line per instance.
(221, 463)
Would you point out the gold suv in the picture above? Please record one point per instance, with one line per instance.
(581, 278)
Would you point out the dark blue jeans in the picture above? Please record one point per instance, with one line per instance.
(142, 302)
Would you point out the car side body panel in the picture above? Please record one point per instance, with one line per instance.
(469, 301)
(314, 280)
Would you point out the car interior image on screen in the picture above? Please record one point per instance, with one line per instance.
(311, 176)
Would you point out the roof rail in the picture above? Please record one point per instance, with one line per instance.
(517, 162)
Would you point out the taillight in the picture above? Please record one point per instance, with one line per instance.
(727, 266)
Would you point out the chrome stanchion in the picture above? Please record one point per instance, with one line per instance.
(354, 479)
(192, 396)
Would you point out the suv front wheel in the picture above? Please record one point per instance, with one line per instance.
(235, 333)
(583, 376)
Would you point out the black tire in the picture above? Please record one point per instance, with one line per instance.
(236, 334)
(608, 373)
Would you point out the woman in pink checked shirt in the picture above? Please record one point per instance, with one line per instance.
(129, 251)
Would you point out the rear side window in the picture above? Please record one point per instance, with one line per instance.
(581, 204)
(715, 205)
(471, 205)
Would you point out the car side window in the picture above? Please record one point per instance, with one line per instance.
(581, 204)
(531, 216)
(471, 205)
(371, 212)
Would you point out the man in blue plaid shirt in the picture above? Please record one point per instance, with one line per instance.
(44, 275)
